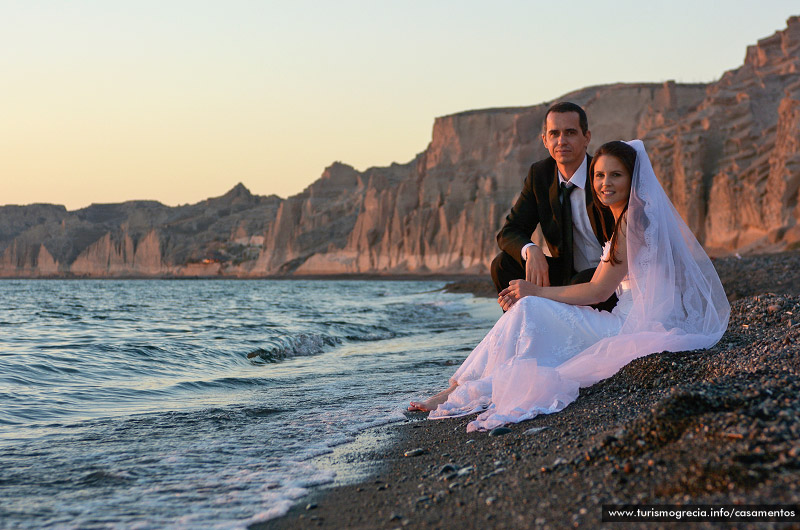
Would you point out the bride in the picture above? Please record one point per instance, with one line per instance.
(549, 343)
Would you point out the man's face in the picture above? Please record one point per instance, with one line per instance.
(564, 139)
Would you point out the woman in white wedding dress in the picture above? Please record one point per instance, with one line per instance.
(549, 343)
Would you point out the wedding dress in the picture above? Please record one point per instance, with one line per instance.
(541, 352)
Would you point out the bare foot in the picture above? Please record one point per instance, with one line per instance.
(433, 402)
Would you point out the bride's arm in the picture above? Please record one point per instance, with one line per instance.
(604, 282)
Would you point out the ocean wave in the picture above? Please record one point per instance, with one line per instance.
(363, 332)
(175, 418)
(435, 362)
(223, 382)
(47, 313)
(105, 478)
(301, 345)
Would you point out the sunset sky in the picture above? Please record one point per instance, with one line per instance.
(177, 101)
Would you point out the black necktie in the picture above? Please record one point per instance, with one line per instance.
(566, 225)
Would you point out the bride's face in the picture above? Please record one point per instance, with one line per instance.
(612, 181)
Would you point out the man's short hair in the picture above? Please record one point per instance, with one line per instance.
(566, 106)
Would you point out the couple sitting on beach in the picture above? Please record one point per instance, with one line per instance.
(626, 278)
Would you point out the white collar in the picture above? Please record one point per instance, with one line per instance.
(578, 178)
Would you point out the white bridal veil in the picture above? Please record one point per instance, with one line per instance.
(678, 301)
(678, 304)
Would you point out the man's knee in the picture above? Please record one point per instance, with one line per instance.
(504, 268)
(495, 269)
(497, 265)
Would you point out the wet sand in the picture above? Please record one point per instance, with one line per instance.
(718, 426)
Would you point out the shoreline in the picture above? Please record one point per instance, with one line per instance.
(717, 426)
(328, 277)
(778, 271)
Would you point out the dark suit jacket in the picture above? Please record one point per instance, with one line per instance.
(539, 204)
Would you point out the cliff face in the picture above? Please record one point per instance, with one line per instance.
(441, 211)
(751, 155)
(138, 238)
(731, 165)
(728, 154)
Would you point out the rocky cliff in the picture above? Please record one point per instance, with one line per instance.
(728, 154)
(137, 238)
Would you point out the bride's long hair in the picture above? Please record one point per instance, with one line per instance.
(627, 156)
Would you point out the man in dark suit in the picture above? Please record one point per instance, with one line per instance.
(557, 196)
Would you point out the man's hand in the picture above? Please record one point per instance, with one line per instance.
(536, 269)
(515, 291)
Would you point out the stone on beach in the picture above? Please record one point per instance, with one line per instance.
(447, 468)
(499, 431)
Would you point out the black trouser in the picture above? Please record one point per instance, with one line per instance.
(505, 268)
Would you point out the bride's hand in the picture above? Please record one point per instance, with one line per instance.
(516, 290)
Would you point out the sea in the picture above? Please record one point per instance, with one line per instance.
(206, 403)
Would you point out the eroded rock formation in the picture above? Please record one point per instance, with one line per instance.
(137, 238)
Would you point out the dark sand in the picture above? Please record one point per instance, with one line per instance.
(718, 426)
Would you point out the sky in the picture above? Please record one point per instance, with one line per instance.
(177, 101)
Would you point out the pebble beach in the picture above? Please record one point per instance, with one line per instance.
(717, 426)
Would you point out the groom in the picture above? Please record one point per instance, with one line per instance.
(557, 196)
